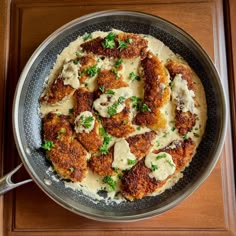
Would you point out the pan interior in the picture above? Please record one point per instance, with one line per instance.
(28, 122)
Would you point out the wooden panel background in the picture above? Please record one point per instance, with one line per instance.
(27, 210)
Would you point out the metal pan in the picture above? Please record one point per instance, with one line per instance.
(27, 122)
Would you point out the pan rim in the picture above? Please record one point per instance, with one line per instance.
(60, 201)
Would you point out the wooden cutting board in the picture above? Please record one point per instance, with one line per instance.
(27, 210)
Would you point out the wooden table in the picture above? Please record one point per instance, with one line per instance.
(27, 210)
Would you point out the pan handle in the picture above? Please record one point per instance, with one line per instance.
(6, 183)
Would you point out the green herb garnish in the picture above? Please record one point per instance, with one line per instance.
(169, 162)
(76, 61)
(185, 137)
(72, 169)
(135, 102)
(196, 135)
(124, 122)
(111, 182)
(139, 128)
(121, 99)
(92, 71)
(145, 108)
(160, 156)
(87, 36)
(106, 140)
(132, 162)
(133, 76)
(118, 63)
(48, 144)
(154, 167)
(109, 41)
(124, 44)
(101, 88)
(109, 91)
(71, 110)
(116, 73)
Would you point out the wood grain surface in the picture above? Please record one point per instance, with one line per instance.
(27, 210)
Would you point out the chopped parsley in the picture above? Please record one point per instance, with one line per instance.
(118, 63)
(165, 134)
(86, 85)
(76, 61)
(101, 88)
(61, 131)
(109, 41)
(71, 110)
(109, 91)
(87, 36)
(115, 169)
(145, 108)
(139, 128)
(173, 129)
(185, 137)
(48, 144)
(124, 44)
(121, 99)
(196, 135)
(133, 76)
(158, 143)
(135, 102)
(86, 122)
(112, 110)
(154, 167)
(116, 73)
(171, 84)
(92, 71)
(77, 54)
(111, 182)
(169, 162)
(160, 156)
(106, 140)
(72, 169)
(124, 122)
(132, 162)
(119, 175)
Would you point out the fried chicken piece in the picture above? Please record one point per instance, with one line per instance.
(83, 102)
(86, 62)
(56, 92)
(108, 80)
(184, 121)
(140, 144)
(102, 164)
(66, 154)
(135, 46)
(136, 182)
(119, 125)
(156, 93)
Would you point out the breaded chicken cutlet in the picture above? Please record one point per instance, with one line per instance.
(66, 154)
(136, 182)
(184, 121)
(135, 46)
(83, 102)
(156, 93)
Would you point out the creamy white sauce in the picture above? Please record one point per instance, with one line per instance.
(161, 165)
(181, 95)
(123, 158)
(70, 74)
(84, 122)
(93, 183)
(107, 101)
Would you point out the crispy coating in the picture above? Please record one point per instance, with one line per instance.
(67, 155)
(136, 183)
(175, 68)
(83, 102)
(108, 79)
(116, 126)
(56, 92)
(85, 62)
(140, 144)
(184, 121)
(181, 153)
(156, 93)
(136, 48)
(102, 164)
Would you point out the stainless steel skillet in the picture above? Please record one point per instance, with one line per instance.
(27, 122)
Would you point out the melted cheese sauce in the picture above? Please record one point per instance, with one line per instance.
(93, 183)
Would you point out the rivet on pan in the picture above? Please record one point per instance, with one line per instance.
(47, 181)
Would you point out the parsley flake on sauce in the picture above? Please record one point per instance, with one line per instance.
(133, 76)
(145, 108)
(47, 145)
(87, 36)
(110, 181)
(106, 140)
(118, 63)
(109, 41)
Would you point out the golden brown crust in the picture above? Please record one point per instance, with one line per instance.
(184, 121)
(156, 93)
(140, 144)
(83, 102)
(136, 183)
(102, 164)
(67, 155)
(56, 92)
(108, 80)
(119, 125)
(134, 49)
